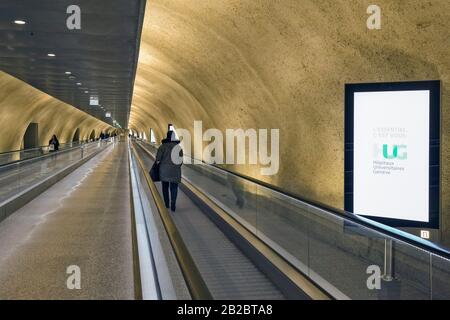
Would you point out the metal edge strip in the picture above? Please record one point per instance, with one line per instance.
(194, 280)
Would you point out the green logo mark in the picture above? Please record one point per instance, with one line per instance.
(398, 152)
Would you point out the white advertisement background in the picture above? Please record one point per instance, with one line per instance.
(401, 194)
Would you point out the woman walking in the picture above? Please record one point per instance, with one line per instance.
(53, 144)
(170, 160)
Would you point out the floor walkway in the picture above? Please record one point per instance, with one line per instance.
(227, 272)
(84, 221)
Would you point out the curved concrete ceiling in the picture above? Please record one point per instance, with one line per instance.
(21, 104)
(283, 64)
(101, 56)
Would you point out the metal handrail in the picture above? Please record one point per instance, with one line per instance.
(196, 285)
(38, 148)
(21, 150)
(373, 225)
(32, 159)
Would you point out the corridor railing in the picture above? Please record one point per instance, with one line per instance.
(24, 154)
(20, 175)
(348, 256)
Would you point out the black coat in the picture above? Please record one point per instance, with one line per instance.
(168, 170)
(55, 142)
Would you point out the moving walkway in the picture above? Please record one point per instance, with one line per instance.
(337, 253)
(23, 179)
(78, 227)
(222, 268)
(231, 237)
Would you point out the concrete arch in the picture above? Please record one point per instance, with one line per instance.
(283, 64)
(21, 104)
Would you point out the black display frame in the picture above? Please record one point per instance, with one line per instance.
(434, 87)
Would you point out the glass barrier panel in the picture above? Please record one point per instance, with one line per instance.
(345, 258)
(342, 253)
(17, 177)
(9, 181)
(283, 224)
(234, 195)
(440, 278)
(411, 273)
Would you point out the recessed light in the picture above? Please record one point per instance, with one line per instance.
(86, 91)
(78, 83)
(20, 22)
(68, 72)
(51, 54)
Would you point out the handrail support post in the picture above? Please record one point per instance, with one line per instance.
(388, 274)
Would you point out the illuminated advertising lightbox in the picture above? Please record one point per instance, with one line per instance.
(392, 152)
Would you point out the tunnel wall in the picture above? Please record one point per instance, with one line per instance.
(284, 64)
(22, 104)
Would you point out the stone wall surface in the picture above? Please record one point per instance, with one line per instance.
(22, 104)
(284, 64)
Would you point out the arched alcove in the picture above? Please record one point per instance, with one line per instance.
(31, 136)
(92, 135)
(76, 135)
